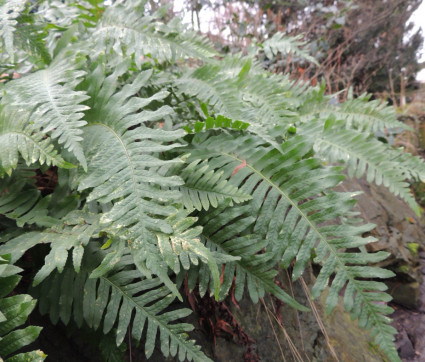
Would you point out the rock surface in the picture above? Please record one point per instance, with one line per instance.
(399, 231)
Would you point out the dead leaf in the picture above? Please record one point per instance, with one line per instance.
(238, 167)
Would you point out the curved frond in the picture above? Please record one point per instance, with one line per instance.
(208, 84)
(21, 201)
(253, 269)
(122, 298)
(296, 214)
(357, 113)
(184, 247)
(18, 137)
(249, 94)
(123, 161)
(30, 36)
(54, 106)
(365, 155)
(73, 233)
(204, 187)
(281, 43)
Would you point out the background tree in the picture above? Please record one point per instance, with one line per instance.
(360, 44)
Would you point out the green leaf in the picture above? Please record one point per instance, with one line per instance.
(18, 339)
(33, 356)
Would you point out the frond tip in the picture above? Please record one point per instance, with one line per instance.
(281, 43)
(20, 138)
(48, 96)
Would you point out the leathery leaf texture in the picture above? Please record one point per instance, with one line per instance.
(134, 157)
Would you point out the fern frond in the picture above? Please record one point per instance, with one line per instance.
(54, 106)
(125, 299)
(127, 31)
(268, 99)
(204, 187)
(74, 233)
(21, 201)
(30, 37)
(18, 137)
(254, 269)
(359, 113)
(244, 92)
(364, 155)
(284, 44)
(293, 204)
(14, 311)
(123, 158)
(184, 247)
(207, 84)
(9, 11)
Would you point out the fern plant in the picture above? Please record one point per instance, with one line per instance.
(171, 162)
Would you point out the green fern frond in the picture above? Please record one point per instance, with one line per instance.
(281, 43)
(123, 158)
(244, 92)
(364, 155)
(9, 11)
(268, 99)
(54, 106)
(292, 202)
(254, 269)
(359, 113)
(184, 247)
(125, 299)
(30, 37)
(21, 201)
(204, 187)
(127, 158)
(14, 311)
(74, 233)
(207, 84)
(127, 31)
(19, 137)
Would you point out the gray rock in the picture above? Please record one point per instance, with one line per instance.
(404, 346)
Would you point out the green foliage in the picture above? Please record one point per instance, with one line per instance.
(14, 311)
(280, 43)
(112, 298)
(9, 11)
(124, 31)
(219, 174)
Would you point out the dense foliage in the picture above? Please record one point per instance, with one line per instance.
(168, 162)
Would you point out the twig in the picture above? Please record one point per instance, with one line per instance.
(318, 319)
(274, 332)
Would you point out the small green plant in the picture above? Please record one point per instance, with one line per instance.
(220, 173)
(413, 247)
